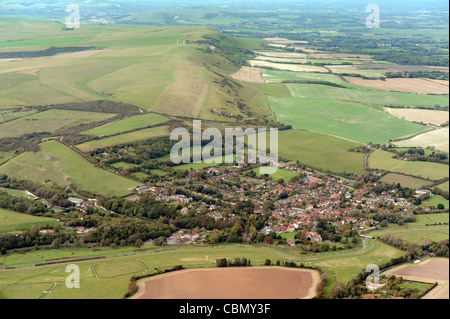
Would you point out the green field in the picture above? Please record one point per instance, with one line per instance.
(363, 95)
(13, 221)
(413, 234)
(115, 271)
(280, 174)
(128, 124)
(320, 151)
(444, 186)
(405, 181)
(352, 121)
(134, 136)
(49, 121)
(424, 219)
(435, 201)
(385, 161)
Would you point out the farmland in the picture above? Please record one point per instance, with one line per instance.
(11, 221)
(435, 138)
(405, 181)
(280, 174)
(351, 121)
(114, 272)
(418, 115)
(138, 135)
(129, 124)
(384, 161)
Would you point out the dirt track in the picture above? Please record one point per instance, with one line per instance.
(232, 283)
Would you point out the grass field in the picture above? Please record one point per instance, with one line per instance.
(11, 221)
(430, 219)
(115, 271)
(128, 124)
(49, 121)
(352, 121)
(280, 174)
(320, 151)
(419, 115)
(405, 181)
(124, 138)
(362, 95)
(384, 161)
(85, 175)
(435, 201)
(437, 138)
(444, 186)
(415, 234)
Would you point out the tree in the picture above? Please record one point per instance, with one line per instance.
(3, 251)
(268, 240)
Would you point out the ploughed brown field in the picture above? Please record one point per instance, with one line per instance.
(431, 271)
(232, 283)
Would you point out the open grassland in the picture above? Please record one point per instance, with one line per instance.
(435, 201)
(405, 181)
(12, 115)
(6, 156)
(249, 74)
(352, 121)
(420, 86)
(437, 138)
(13, 221)
(353, 70)
(420, 115)
(128, 124)
(385, 161)
(124, 138)
(363, 95)
(85, 175)
(320, 151)
(49, 121)
(114, 272)
(280, 76)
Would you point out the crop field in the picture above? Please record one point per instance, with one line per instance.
(420, 86)
(316, 150)
(287, 67)
(49, 121)
(420, 115)
(405, 181)
(280, 76)
(235, 283)
(84, 174)
(385, 161)
(435, 138)
(114, 272)
(351, 121)
(134, 136)
(128, 124)
(349, 70)
(363, 95)
(12, 221)
(432, 270)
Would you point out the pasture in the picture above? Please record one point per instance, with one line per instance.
(405, 181)
(114, 271)
(287, 66)
(365, 96)
(280, 76)
(130, 137)
(425, 170)
(434, 201)
(320, 151)
(11, 221)
(49, 121)
(351, 121)
(84, 174)
(128, 124)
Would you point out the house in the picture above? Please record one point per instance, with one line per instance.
(291, 242)
(312, 236)
(76, 201)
